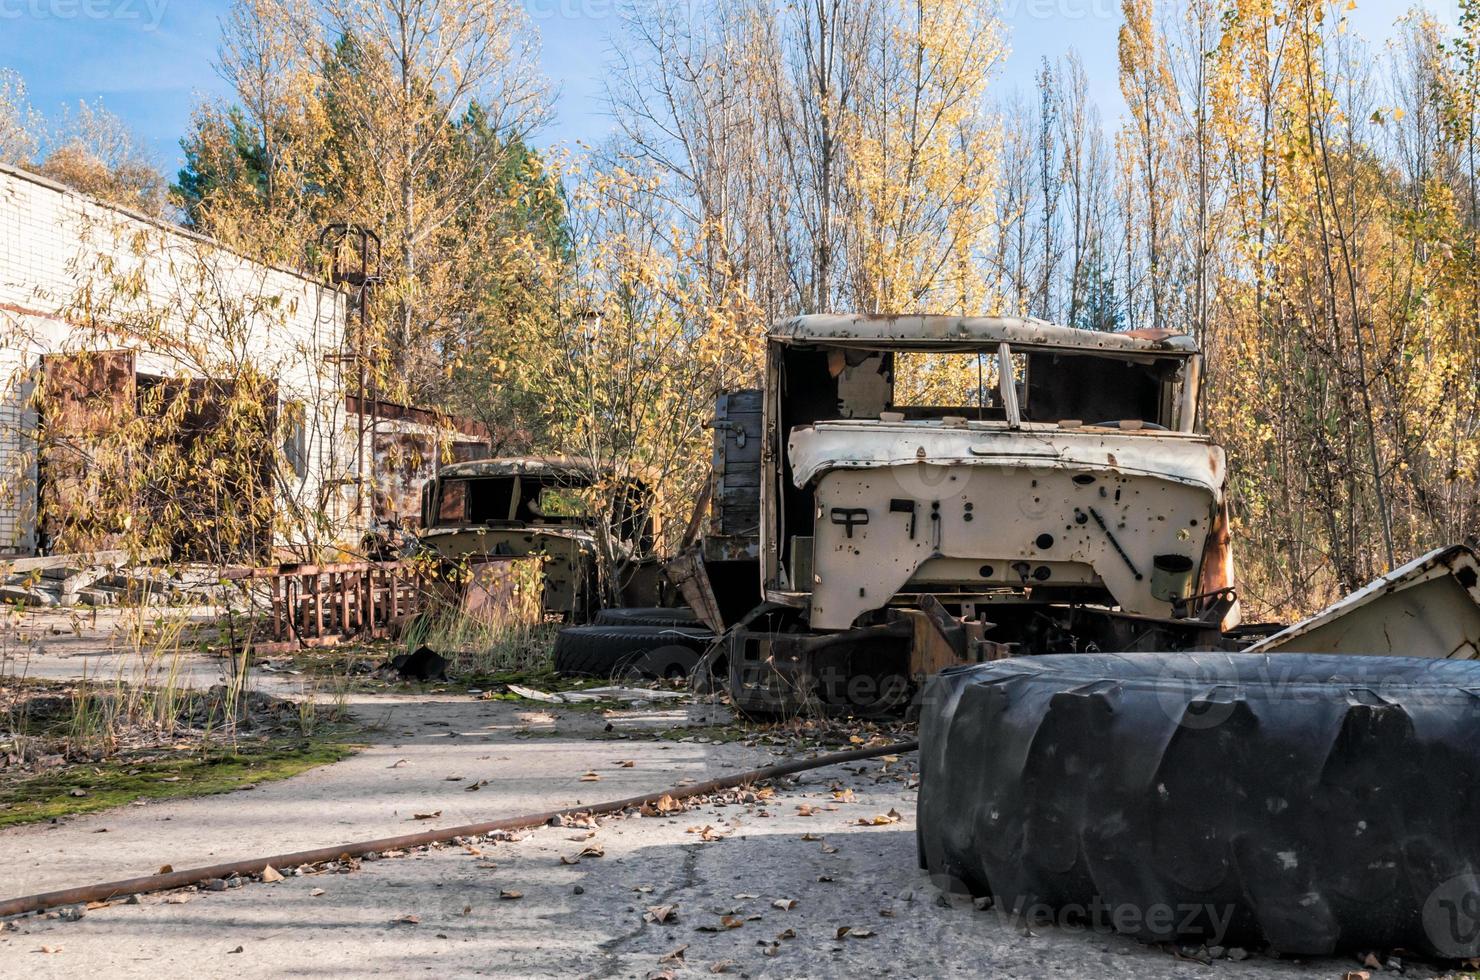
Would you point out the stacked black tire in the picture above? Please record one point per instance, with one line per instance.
(638, 643)
(647, 616)
(1310, 803)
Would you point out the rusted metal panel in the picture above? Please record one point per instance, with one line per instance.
(687, 573)
(737, 464)
(85, 401)
(390, 411)
(493, 588)
(403, 462)
(227, 515)
(1430, 607)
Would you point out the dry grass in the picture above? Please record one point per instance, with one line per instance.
(147, 698)
(512, 635)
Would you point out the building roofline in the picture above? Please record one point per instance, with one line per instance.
(162, 224)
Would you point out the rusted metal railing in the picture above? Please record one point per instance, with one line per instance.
(321, 605)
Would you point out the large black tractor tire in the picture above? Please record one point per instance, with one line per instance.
(647, 616)
(1312, 803)
(602, 651)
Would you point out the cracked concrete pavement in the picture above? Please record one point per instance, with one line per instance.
(588, 918)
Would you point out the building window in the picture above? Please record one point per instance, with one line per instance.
(295, 438)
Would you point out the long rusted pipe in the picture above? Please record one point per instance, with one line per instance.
(179, 879)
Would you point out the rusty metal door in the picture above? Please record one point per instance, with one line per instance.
(85, 401)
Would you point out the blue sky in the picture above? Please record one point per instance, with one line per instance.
(150, 60)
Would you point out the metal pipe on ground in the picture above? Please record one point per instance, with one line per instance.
(179, 879)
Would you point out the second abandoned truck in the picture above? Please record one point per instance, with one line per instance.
(937, 490)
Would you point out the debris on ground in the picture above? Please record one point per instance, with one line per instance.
(589, 695)
(422, 664)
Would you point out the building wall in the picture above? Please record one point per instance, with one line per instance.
(78, 275)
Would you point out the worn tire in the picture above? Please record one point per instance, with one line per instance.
(1310, 802)
(671, 662)
(647, 616)
(600, 651)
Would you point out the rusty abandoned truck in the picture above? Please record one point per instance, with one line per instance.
(523, 507)
(909, 493)
(935, 490)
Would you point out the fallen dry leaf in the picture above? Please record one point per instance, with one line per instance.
(164, 869)
(745, 897)
(49, 949)
(510, 894)
(673, 955)
(723, 966)
(626, 763)
(810, 836)
(829, 849)
(844, 796)
(316, 893)
(567, 859)
(661, 913)
(663, 805)
(707, 833)
(426, 816)
(407, 920)
(271, 874)
(786, 934)
(590, 777)
(592, 851)
(880, 820)
(784, 904)
(239, 949)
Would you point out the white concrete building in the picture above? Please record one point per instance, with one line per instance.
(79, 277)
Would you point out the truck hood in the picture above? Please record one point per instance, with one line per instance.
(866, 444)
